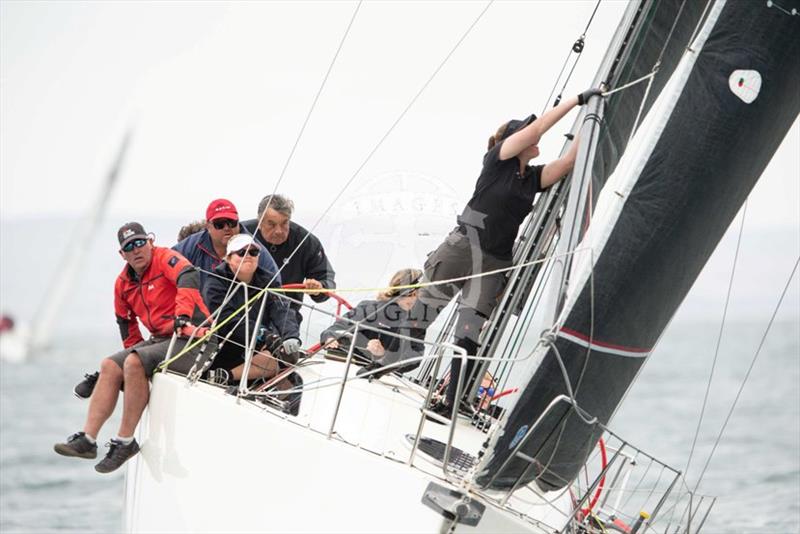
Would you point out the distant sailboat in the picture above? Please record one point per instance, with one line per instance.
(21, 342)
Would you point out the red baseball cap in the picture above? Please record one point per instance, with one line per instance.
(221, 209)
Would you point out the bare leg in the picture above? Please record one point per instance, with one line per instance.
(104, 397)
(137, 393)
(263, 365)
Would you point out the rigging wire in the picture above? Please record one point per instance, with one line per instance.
(719, 341)
(388, 132)
(300, 135)
(747, 375)
(358, 170)
(577, 48)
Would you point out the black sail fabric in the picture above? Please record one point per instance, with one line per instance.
(704, 162)
(663, 32)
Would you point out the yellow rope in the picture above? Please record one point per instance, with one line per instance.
(417, 285)
(241, 308)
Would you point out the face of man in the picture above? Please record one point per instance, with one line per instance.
(275, 227)
(221, 230)
(138, 255)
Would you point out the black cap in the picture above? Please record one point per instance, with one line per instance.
(515, 125)
(130, 232)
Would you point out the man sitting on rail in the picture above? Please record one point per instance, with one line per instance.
(298, 252)
(159, 288)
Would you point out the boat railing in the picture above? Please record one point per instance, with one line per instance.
(433, 355)
(608, 493)
(630, 492)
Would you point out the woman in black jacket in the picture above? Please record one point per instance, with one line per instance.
(241, 265)
(391, 314)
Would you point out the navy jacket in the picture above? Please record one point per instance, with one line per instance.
(197, 248)
(309, 261)
(278, 318)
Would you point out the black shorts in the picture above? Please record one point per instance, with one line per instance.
(152, 352)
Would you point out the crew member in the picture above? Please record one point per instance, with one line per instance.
(241, 265)
(487, 228)
(158, 288)
(391, 315)
(206, 249)
(298, 253)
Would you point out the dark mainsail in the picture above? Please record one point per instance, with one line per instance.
(707, 138)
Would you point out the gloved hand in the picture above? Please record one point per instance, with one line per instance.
(584, 97)
(290, 350)
(187, 330)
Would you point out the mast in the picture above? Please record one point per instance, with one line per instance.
(682, 178)
(62, 283)
(648, 35)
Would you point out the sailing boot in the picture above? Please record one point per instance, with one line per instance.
(77, 446)
(84, 388)
(118, 454)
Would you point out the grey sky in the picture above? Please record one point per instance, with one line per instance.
(218, 93)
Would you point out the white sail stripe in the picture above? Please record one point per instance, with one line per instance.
(615, 193)
(600, 348)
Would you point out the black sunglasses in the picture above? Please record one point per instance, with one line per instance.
(136, 243)
(219, 224)
(253, 251)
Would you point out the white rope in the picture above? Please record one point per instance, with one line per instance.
(631, 84)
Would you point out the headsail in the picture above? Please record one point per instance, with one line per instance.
(682, 179)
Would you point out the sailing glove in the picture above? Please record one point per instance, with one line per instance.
(584, 97)
(291, 350)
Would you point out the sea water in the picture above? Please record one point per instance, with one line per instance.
(755, 471)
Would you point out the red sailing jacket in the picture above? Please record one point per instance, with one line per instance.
(169, 287)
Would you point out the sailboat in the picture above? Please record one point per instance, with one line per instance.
(17, 344)
(705, 91)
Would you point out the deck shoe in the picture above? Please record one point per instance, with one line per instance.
(84, 389)
(440, 408)
(118, 454)
(77, 445)
(371, 371)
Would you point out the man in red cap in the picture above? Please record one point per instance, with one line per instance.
(206, 249)
(158, 288)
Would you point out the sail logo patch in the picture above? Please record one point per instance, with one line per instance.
(518, 436)
(745, 84)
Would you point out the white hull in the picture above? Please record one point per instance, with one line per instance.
(212, 464)
(15, 345)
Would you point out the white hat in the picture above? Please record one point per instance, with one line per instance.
(240, 241)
